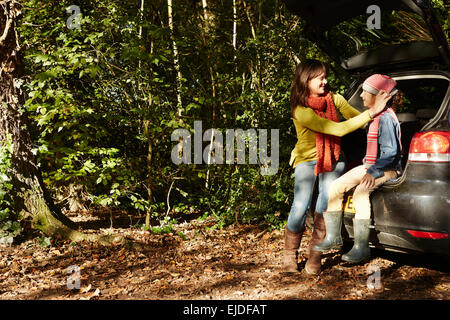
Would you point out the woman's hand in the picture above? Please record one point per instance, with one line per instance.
(380, 103)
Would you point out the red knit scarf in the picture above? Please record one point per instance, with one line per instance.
(328, 147)
(372, 137)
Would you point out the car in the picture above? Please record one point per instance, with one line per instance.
(412, 212)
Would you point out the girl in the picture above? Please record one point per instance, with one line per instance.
(382, 163)
(317, 153)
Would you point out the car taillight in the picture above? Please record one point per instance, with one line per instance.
(431, 146)
(428, 235)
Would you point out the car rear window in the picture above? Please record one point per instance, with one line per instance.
(353, 36)
(422, 94)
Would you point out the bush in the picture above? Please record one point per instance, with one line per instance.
(9, 224)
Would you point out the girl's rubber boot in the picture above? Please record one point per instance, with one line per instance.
(360, 251)
(291, 245)
(333, 238)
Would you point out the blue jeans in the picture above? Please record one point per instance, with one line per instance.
(303, 191)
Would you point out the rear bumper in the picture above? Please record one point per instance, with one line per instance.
(398, 239)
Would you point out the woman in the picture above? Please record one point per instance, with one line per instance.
(381, 163)
(317, 153)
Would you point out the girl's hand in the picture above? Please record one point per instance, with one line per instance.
(368, 181)
(380, 103)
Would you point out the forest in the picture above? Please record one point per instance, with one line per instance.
(95, 97)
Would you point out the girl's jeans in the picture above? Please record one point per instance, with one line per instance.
(303, 191)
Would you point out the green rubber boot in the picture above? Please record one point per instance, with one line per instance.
(333, 239)
(360, 251)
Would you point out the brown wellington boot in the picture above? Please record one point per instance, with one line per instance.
(314, 259)
(291, 245)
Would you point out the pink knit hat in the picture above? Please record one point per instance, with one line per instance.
(377, 82)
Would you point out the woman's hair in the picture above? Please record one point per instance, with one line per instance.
(396, 101)
(306, 71)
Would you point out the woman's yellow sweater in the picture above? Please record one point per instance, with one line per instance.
(307, 123)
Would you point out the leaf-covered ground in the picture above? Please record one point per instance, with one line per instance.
(238, 262)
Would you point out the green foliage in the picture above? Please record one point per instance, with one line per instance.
(45, 241)
(9, 223)
(166, 226)
(442, 9)
(83, 101)
(103, 100)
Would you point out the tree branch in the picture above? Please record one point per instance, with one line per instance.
(6, 31)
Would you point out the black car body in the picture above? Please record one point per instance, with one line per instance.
(412, 212)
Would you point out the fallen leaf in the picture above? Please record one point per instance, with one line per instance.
(86, 289)
(94, 294)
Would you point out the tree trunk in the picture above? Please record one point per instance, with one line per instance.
(31, 200)
(141, 13)
(149, 169)
(206, 29)
(176, 60)
(147, 123)
(234, 29)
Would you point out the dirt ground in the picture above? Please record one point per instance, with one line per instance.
(241, 262)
